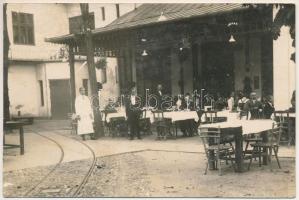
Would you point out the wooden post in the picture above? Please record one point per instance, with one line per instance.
(89, 49)
(6, 44)
(72, 76)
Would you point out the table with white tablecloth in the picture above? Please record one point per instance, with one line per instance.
(175, 116)
(238, 128)
(109, 116)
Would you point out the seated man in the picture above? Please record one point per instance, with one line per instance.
(241, 105)
(187, 126)
(110, 107)
(254, 106)
(268, 107)
(293, 102)
(187, 102)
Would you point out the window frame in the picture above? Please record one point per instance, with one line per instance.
(41, 89)
(103, 13)
(27, 23)
(78, 19)
(117, 10)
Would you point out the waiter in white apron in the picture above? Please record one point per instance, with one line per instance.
(84, 114)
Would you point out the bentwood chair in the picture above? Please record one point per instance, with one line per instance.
(211, 116)
(73, 122)
(145, 123)
(265, 148)
(163, 125)
(215, 151)
(282, 117)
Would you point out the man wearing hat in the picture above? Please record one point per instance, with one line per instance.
(133, 111)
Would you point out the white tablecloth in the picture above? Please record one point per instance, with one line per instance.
(114, 115)
(248, 126)
(291, 115)
(176, 115)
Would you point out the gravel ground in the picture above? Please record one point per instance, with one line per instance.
(61, 183)
(154, 174)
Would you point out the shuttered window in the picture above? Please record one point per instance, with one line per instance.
(23, 28)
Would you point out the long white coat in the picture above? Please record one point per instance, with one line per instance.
(84, 111)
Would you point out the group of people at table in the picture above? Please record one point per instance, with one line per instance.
(248, 108)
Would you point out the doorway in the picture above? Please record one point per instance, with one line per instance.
(60, 98)
(218, 68)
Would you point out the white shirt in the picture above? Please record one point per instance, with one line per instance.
(133, 100)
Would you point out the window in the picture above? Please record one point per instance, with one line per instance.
(256, 82)
(76, 23)
(104, 75)
(23, 29)
(117, 10)
(85, 85)
(103, 13)
(41, 88)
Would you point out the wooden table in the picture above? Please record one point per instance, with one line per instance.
(238, 128)
(15, 125)
(28, 120)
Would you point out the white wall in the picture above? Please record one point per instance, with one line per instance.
(23, 89)
(284, 70)
(49, 20)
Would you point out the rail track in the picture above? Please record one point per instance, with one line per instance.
(85, 178)
(80, 186)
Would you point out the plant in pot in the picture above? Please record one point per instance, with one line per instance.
(18, 108)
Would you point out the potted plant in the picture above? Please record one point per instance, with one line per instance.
(18, 108)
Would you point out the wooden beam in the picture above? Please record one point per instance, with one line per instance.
(72, 77)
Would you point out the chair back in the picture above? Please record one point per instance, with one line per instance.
(275, 133)
(158, 115)
(143, 114)
(210, 137)
(281, 115)
(211, 115)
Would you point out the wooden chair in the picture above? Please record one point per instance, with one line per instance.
(214, 150)
(265, 148)
(282, 117)
(145, 123)
(73, 123)
(118, 127)
(163, 125)
(211, 116)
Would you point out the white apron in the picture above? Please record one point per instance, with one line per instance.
(84, 111)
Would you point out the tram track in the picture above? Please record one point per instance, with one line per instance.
(79, 187)
(52, 170)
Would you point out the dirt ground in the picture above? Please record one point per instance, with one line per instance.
(161, 174)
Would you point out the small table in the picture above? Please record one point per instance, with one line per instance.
(238, 128)
(26, 119)
(15, 125)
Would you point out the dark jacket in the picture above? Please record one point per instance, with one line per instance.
(253, 107)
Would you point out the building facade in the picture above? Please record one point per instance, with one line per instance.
(39, 74)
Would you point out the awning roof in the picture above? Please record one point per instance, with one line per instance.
(148, 14)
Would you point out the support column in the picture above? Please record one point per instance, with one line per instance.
(284, 71)
(72, 76)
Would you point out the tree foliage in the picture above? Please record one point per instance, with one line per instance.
(284, 17)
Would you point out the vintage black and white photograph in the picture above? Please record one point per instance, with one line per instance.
(149, 100)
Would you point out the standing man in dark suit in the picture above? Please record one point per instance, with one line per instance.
(159, 95)
(133, 111)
